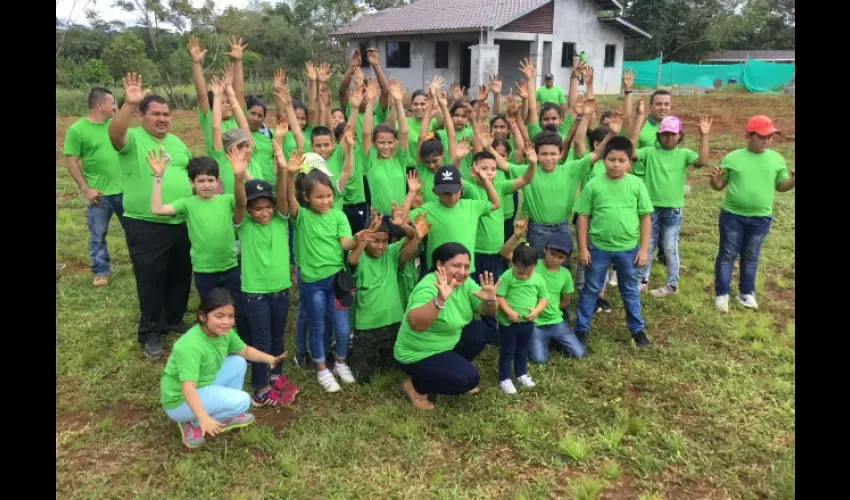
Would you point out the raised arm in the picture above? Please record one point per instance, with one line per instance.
(414, 185)
(496, 90)
(312, 93)
(475, 121)
(157, 164)
(292, 169)
(279, 82)
(572, 91)
(348, 162)
(217, 91)
(613, 131)
(356, 95)
(419, 230)
(528, 175)
(372, 92)
(628, 81)
(237, 49)
(704, 131)
(284, 100)
(588, 84)
(323, 75)
(346, 79)
(577, 134)
(637, 123)
(239, 113)
(492, 195)
(421, 318)
(396, 94)
(239, 161)
(281, 177)
(520, 228)
(530, 71)
(375, 63)
(430, 107)
(133, 95)
(198, 74)
(325, 106)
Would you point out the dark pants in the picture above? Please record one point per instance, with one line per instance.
(372, 351)
(627, 282)
(230, 280)
(449, 372)
(515, 340)
(487, 324)
(358, 216)
(739, 236)
(160, 256)
(266, 314)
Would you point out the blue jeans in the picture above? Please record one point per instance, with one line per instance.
(487, 325)
(98, 217)
(267, 314)
(561, 334)
(742, 236)
(538, 235)
(230, 280)
(514, 341)
(665, 223)
(627, 281)
(223, 399)
(319, 300)
(301, 330)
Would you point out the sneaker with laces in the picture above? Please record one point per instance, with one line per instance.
(342, 371)
(602, 305)
(192, 436)
(267, 398)
(153, 346)
(287, 395)
(641, 339)
(237, 422)
(663, 291)
(525, 381)
(721, 302)
(748, 300)
(327, 381)
(101, 280)
(419, 401)
(180, 328)
(280, 382)
(507, 386)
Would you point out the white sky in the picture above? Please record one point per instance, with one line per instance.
(107, 12)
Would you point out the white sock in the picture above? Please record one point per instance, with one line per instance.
(323, 372)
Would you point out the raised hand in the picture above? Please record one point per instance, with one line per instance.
(277, 151)
(588, 75)
(396, 91)
(283, 95)
(358, 77)
(238, 160)
(296, 158)
(628, 79)
(195, 50)
(616, 122)
(483, 111)
(589, 107)
(437, 83)
(348, 138)
(469, 111)
(576, 65)
(522, 89)
(237, 48)
(310, 71)
(216, 86)
(442, 99)
(528, 69)
(323, 72)
(375, 221)
(414, 183)
(372, 56)
(578, 106)
(372, 90)
(520, 226)
(486, 139)
(364, 236)
(396, 215)
(156, 162)
(488, 287)
(462, 149)
(324, 95)
(513, 107)
(443, 284)
(640, 108)
(705, 124)
(496, 84)
(458, 91)
(282, 127)
(356, 61)
(530, 154)
(133, 93)
(227, 74)
(421, 225)
(483, 92)
(279, 79)
(355, 96)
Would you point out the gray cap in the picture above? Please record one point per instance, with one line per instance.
(234, 137)
(549, 76)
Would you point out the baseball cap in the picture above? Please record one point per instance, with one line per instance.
(314, 161)
(560, 242)
(549, 76)
(670, 124)
(258, 188)
(234, 137)
(447, 180)
(761, 125)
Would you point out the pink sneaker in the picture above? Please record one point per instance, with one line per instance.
(280, 382)
(237, 422)
(192, 436)
(285, 389)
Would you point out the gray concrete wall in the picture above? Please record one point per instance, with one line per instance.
(511, 52)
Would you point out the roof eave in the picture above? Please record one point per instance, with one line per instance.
(470, 29)
(630, 30)
(526, 11)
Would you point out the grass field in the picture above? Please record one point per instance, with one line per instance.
(708, 414)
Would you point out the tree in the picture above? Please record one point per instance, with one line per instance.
(125, 54)
(386, 4)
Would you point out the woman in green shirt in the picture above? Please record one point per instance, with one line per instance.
(429, 346)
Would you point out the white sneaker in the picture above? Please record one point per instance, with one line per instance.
(526, 381)
(721, 302)
(327, 381)
(344, 373)
(748, 300)
(612, 278)
(507, 386)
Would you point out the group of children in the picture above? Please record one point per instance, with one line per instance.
(362, 197)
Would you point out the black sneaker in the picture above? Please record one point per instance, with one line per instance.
(582, 337)
(602, 305)
(179, 328)
(304, 362)
(153, 346)
(642, 340)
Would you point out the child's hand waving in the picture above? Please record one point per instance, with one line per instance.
(282, 127)
(348, 139)
(279, 79)
(520, 226)
(530, 154)
(295, 160)
(522, 89)
(616, 123)
(397, 215)
(462, 149)
(486, 140)
(421, 225)
(238, 160)
(705, 124)
(413, 182)
(156, 162)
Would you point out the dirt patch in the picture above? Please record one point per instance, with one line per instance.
(74, 267)
(621, 490)
(277, 419)
(64, 195)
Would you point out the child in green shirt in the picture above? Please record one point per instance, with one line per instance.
(619, 209)
(522, 296)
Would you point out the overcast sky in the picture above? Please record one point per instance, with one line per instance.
(107, 12)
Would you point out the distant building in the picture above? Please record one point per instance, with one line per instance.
(468, 40)
(741, 56)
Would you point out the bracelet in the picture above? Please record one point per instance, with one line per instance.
(437, 304)
(627, 92)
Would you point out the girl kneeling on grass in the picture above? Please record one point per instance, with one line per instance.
(201, 386)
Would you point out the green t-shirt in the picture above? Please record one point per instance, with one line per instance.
(265, 254)
(563, 130)
(262, 158)
(414, 127)
(290, 145)
(354, 191)
(318, 251)
(195, 357)
(752, 179)
(550, 196)
(205, 120)
(664, 173)
(521, 295)
(426, 177)
(379, 116)
(210, 225)
(387, 179)
(443, 334)
(597, 170)
(558, 283)
(225, 172)
(457, 224)
(614, 208)
(377, 301)
(491, 226)
(408, 277)
(334, 164)
(554, 94)
(648, 134)
(137, 176)
(90, 142)
(466, 162)
(508, 207)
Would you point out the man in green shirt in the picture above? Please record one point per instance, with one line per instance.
(158, 244)
(93, 164)
(550, 92)
(660, 107)
(753, 175)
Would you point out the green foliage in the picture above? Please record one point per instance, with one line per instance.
(126, 53)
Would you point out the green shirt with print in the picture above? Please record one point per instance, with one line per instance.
(210, 225)
(265, 254)
(458, 224)
(195, 357)
(752, 179)
(558, 283)
(550, 196)
(387, 179)
(100, 165)
(664, 173)
(318, 251)
(377, 301)
(443, 334)
(491, 226)
(137, 176)
(521, 295)
(614, 208)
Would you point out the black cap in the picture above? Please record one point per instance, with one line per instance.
(560, 242)
(257, 188)
(447, 180)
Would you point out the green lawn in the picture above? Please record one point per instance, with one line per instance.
(708, 414)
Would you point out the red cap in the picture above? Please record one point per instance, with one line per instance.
(761, 125)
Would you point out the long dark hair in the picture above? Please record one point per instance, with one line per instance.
(215, 298)
(446, 252)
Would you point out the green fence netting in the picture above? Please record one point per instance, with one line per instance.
(756, 76)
